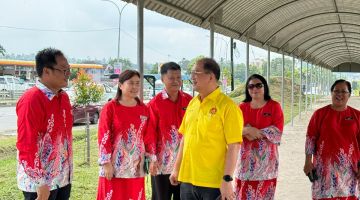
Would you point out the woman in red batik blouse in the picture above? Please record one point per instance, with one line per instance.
(258, 161)
(123, 143)
(332, 147)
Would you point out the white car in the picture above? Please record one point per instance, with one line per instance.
(11, 83)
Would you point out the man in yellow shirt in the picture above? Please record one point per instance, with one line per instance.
(212, 133)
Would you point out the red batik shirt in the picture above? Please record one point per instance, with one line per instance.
(165, 119)
(333, 139)
(123, 139)
(259, 159)
(44, 139)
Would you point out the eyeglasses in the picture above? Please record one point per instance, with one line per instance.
(194, 72)
(340, 92)
(257, 85)
(65, 71)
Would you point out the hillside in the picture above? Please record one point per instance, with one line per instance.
(275, 92)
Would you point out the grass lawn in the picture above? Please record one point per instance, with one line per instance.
(84, 185)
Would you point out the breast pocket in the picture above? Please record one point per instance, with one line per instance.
(349, 126)
(348, 122)
(191, 115)
(213, 124)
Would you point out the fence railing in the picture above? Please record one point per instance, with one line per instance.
(10, 94)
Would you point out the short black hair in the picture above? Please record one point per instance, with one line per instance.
(263, 81)
(46, 58)
(341, 81)
(210, 65)
(169, 66)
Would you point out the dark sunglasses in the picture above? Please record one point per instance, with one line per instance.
(257, 85)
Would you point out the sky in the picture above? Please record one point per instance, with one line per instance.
(89, 29)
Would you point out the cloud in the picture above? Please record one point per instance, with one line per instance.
(165, 37)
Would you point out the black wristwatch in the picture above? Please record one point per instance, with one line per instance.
(227, 178)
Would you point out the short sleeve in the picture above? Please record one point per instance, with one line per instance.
(233, 123)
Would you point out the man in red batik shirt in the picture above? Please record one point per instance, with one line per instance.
(44, 138)
(166, 112)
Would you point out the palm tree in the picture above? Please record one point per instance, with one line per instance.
(2, 50)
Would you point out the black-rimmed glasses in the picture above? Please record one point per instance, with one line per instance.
(340, 92)
(65, 71)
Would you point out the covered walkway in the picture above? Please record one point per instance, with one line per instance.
(322, 35)
(292, 183)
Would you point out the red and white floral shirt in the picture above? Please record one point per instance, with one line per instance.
(123, 139)
(259, 159)
(165, 120)
(333, 138)
(44, 139)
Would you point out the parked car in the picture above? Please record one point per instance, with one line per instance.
(79, 113)
(11, 83)
(109, 92)
(29, 84)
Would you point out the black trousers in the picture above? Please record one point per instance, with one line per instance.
(191, 192)
(58, 194)
(162, 189)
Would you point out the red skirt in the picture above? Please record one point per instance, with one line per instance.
(255, 190)
(121, 189)
(339, 198)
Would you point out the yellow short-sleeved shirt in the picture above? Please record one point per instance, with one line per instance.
(208, 127)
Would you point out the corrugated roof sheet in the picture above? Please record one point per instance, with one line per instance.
(308, 29)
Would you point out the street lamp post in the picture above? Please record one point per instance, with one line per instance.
(120, 12)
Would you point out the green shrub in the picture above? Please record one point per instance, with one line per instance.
(86, 90)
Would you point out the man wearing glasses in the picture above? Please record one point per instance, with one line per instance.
(44, 139)
(212, 133)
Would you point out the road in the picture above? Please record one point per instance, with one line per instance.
(8, 121)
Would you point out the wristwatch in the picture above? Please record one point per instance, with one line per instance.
(227, 178)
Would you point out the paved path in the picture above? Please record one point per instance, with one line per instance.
(292, 183)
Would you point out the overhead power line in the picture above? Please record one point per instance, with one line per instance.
(57, 30)
(89, 30)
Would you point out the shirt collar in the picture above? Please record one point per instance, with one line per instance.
(212, 96)
(164, 94)
(48, 93)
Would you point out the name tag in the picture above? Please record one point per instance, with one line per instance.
(266, 114)
(349, 118)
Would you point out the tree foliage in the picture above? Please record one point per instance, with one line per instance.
(184, 64)
(2, 50)
(192, 63)
(124, 62)
(73, 74)
(86, 90)
(154, 69)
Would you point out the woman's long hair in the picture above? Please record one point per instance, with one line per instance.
(124, 76)
(263, 81)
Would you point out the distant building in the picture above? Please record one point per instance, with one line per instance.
(26, 69)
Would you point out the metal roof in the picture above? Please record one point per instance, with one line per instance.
(323, 32)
